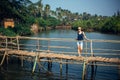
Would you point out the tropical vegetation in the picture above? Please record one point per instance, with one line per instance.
(25, 13)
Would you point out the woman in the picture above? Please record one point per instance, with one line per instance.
(80, 37)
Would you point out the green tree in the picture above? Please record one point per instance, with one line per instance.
(7, 32)
(39, 8)
(46, 11)
(14, 9)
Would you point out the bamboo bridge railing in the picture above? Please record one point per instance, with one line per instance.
(18, 46)
(17, 43)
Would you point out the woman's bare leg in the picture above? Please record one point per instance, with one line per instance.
(79, 50)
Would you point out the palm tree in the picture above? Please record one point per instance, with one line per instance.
(39, 8)
(46, 11)
(32, 10)
(53, 13)
(58, 13)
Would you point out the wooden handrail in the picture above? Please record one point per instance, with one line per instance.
(54, 39)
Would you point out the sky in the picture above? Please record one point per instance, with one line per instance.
(99, 7)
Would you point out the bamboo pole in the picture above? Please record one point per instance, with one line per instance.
(93, 70)
(38, 42)
(48, 46)
(84, 70)
(84, 64)
(66, 66)
(40, 66)
(6, 49)
(35, 62)
(18, 48)
(86, 49)
(91, 49)
(61, 67)
(49, 64)
(6, 42)
(3, 58)
(64, 39)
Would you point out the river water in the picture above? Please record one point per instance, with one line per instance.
(14, 70)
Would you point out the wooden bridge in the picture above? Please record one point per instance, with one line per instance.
(15, 46)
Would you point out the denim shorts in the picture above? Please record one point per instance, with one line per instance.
(80, 43)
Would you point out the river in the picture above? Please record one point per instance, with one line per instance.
(14, 71)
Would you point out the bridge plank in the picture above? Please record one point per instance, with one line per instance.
(62, 56)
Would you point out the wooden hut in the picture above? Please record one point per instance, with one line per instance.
(8, 23)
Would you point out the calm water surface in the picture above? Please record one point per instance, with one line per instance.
(14, 71)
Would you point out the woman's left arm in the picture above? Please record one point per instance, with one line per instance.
(85, 36)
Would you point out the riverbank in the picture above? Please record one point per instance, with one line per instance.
(35, 29)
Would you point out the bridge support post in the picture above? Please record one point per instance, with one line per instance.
(22, 60)
(35, 62)
(93, 70)
(66, 66)
(7, 58)
(18, 48)
(49, 64)
(6, 51)
(61, 68)
(3, 58)
(91, 49)
(84, 70)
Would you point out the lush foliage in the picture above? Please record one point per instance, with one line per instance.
(25, 13)
(7, 32)
(49, 22)
(112, 26)
(103, 24)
